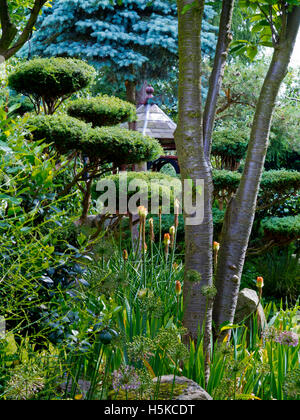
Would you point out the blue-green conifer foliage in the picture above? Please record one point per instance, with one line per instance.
(136, 38)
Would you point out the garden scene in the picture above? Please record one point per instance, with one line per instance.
(149, 200)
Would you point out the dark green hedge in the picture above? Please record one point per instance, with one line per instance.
(229, 142)
(286, 227)
(272, 181)
(102, 110)
(119, 145)
(109, 144)
(51, 77)
(149, 177)
(226, 180)
(280, 180)
(65, 132)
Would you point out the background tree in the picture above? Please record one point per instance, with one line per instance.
(129, 41)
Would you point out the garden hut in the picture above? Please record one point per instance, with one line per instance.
(153, 122)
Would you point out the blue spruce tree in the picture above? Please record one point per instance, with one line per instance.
(132, 40)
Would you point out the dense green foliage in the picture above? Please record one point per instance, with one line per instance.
(162, 184)
(119, 145)
(108, 144)
(229, 146)
(102, 110)
(282, 227)
(65, 132)
(137, 38)
(51, 79)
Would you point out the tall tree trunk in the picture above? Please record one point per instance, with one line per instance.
(241, 210)
(194, 166)
(216, 77)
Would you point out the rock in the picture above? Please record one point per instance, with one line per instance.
(247, 304)
(184, 389)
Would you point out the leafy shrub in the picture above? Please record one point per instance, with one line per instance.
(119, 145)
(50, 79)
(65, 132)
(164, 182)
(33, 226)
(230, 145)
(107, 144)
(272, 182)
(102, 110)
(282, 227)
(226, 180)
(280, 180)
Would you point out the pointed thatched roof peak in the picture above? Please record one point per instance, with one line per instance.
(158, 124)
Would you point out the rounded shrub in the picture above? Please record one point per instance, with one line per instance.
(225, 180)
(282, 227)
(119, 145)
(66, 133)
(106, 144)
(280, 180)
(229, 146)
(51, 77)
(102, 110)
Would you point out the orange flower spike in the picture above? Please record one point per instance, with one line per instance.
(178, 288)
(259, 282)
(125, 255)
(216, 246)
(151, 230)
(167, 239)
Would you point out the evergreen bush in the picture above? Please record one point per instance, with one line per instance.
(66, 133)
(50, 79)
(282, 227)
(102, 110)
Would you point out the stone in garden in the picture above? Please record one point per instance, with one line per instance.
(184, 389)
(248, 304)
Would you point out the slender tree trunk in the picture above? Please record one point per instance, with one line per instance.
(241, 210)
(10, 44)
(194, 166)
(216, 78)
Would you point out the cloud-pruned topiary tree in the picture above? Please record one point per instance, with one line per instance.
(92, 140)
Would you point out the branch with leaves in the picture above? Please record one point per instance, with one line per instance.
(10, 41)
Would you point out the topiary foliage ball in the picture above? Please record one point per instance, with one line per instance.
(102, 110)
(51, 78)
(66, 133)
(106, 144)
(119, 145)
